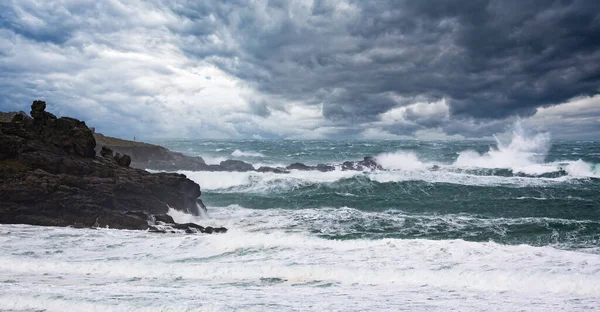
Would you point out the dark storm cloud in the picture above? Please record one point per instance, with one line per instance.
(489, 59)
(321, 68)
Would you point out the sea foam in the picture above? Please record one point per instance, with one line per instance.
(521, 153)
(238, 153)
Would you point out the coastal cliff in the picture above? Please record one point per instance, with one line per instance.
(50, 174)
(150, 156)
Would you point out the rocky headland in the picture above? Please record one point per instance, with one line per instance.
(52, 174)
(59, 172)
(149, 156)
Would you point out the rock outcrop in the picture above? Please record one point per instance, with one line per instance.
(150, 156)
(50, 175)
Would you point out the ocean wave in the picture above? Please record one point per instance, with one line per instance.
(297, 258)
(213, 160)
(520, 162)
(402, 160)
(521, 152)
(263, 182)
(268, 182)
(238, 153)
(350, 223)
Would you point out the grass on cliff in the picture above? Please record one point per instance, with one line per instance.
(110, 141)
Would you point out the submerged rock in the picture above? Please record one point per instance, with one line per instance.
(189, 228)
(50, 175)
(273, 170)
(349, 165)
(370, 163)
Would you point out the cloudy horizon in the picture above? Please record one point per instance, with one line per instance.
(310, 69)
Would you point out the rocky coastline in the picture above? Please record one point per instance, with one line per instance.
(52, 175)
(154, 157)
(59, 172)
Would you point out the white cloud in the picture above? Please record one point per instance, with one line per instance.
(577, 117)
(142, 68)
(379, 134)
(438, 110)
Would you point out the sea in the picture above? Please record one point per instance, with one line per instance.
(511, 224)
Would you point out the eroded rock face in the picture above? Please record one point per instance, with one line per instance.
(49, 175)
(69, 134)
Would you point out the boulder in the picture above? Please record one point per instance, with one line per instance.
(164, 218)
(106, 152)
(39, 114)
(122, 160)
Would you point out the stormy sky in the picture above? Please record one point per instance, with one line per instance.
(307, 69)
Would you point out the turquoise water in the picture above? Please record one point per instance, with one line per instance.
(526, 191)
(510, 225)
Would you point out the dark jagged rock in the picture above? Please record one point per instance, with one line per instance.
(235, 165)
(189, 228)
(220, 230)
(49, 175)
(164, 218)
(299, 166)
(370, 163)
(68, 134)
(349, 165)
(122, 160)
(39, 114)
(159, 229)
(324, 168)
(106, 152)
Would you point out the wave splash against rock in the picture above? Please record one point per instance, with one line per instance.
(50, 175)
